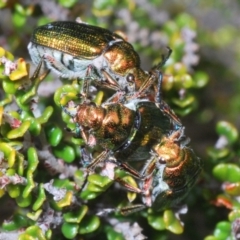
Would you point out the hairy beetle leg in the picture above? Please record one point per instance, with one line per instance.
(124, 210)
(37, 72)
(164, 57)
(100, 158)
(131, 209)
(109, 82)
(128, 186)
(127, 168)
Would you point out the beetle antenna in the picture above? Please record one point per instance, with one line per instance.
(164, 57)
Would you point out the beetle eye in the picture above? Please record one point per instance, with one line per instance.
(92, 104)
(162, 161)
(130, 78)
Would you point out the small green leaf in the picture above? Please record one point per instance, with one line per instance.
(156, 221)
(69, 230)
(65, 152)
(223, 230)
(76, 216)
(228, 172)
(54, 134)
(172, 223)
(89, 224)
(228, 130)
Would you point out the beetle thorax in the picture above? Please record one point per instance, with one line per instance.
(90, 116)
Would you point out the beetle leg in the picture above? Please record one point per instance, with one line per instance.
(130, 170)
(154, 74)
(86, 82)
(145, 86)
(179, 137)
(158, 95)
(110, 82)
(149, 167)
(123, 210)
(164, 57)
(163, 105)
(100, 158)
(128, 186)
(37, 71)
(169, 112)
(127, 168)
(146, 184)
(131, 209)
(82, 133)
(115, 98)
(85, 89)
(54, 65)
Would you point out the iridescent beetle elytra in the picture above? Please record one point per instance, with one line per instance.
(169, 167)
(170, 173)
(146, 132)
(127, 126)
(79, 50)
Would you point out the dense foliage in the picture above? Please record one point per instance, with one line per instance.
(40, 180)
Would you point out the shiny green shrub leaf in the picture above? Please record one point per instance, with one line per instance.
(113, 235)
(223, 230)
(88, 195)
(41, 198)
(200, 79)
(68, 3)
(156, 221)
(218, 153)
(228, 130)
(69, 230)
(228, 172)
(98, 180)
(233, 215)
(172, 223)
(89, 224)
(18, 221)
(24, 202)
(64, 183)
(32, 232)
(76, 216)
(13, 190)
(65, 152)
(54, 134)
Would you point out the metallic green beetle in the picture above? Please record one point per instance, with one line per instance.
(149, 135)
(79, 50)
(170, 173)
(126, 127)
(127, 132)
